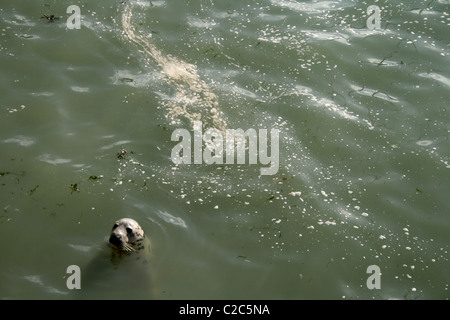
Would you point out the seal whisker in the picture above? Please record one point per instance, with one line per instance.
(127, 247)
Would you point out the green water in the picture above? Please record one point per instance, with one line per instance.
(364, 155)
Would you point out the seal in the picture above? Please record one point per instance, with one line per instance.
(127, 238)
(127, 235)
(125, 263)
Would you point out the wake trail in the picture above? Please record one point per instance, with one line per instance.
(193, 99)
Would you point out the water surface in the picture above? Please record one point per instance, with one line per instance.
(364, 154)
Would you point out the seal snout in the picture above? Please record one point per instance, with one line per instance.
(116, 239)
(120, 241)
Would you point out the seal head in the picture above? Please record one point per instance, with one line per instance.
(124, 262)
(126, 235)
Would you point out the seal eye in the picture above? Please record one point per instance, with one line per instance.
(115, 225)
(129, 230)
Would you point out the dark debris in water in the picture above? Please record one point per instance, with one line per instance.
(50, 17)
(126, 80)
(74, 188)
(8, 173)
(5, 173)
(93, 178)
(283, 179)
(33, 190)
(121, 154)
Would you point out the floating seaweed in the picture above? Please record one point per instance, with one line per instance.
(121, 154)
(74, 188)
(50, 18)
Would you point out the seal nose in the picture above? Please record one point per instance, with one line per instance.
(115, 239)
